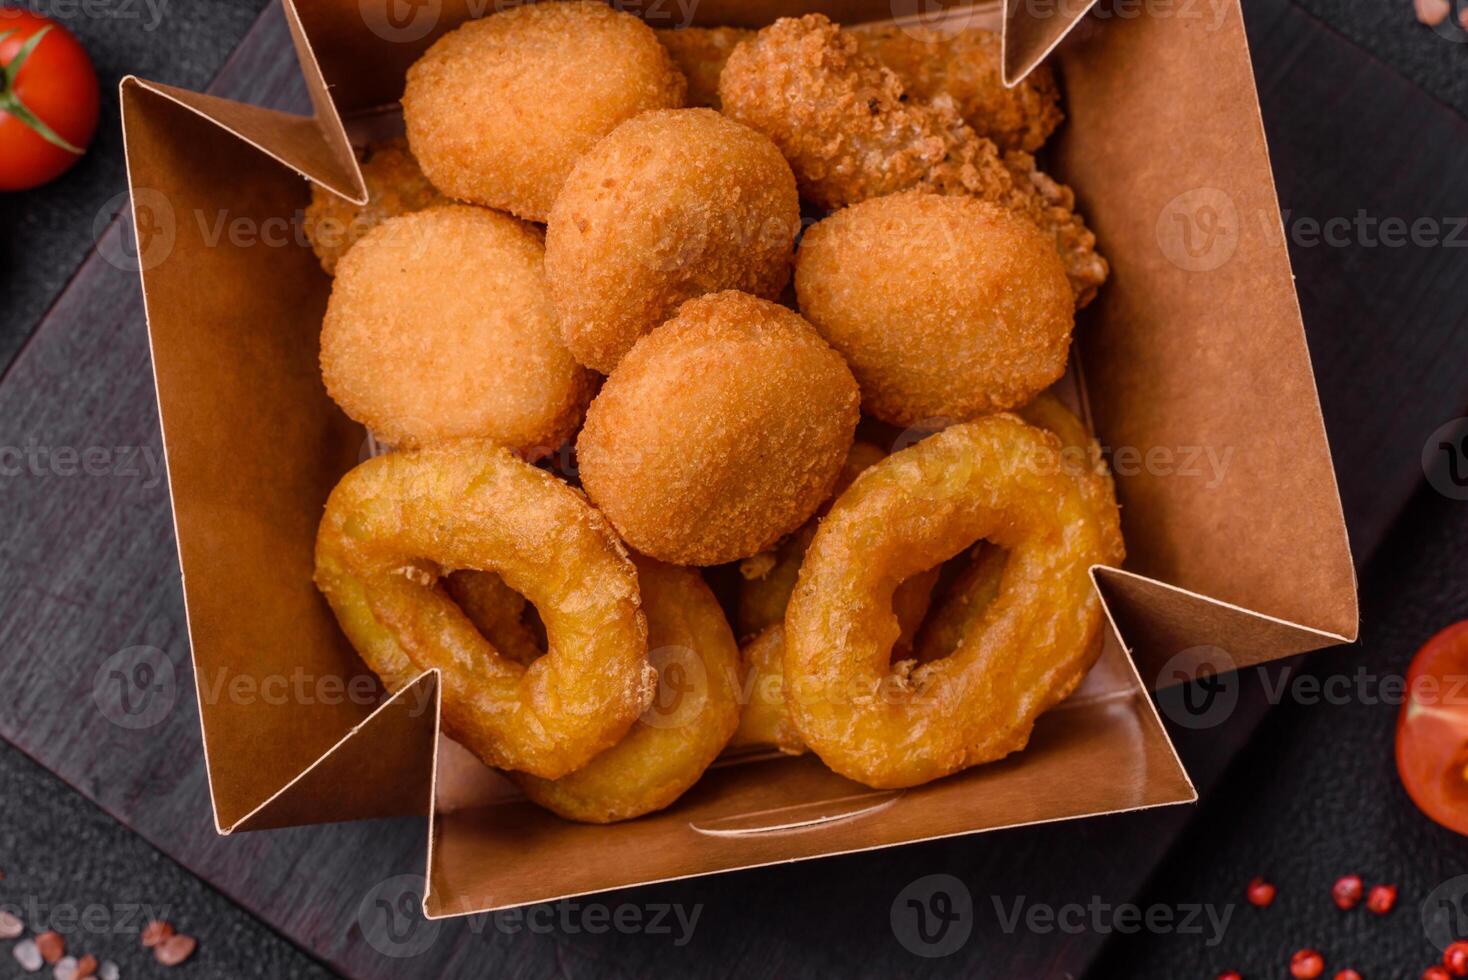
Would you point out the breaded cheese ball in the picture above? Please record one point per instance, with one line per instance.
(945, 307)
(720, 432)
(670, 205)
(498, 110)
(395, 186)
(439, 327)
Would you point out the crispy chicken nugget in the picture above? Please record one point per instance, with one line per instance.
(395, 186)
(962, 65)
(439, 327)
(945, 307)
(498, 110)
(671, 205)
(965, 66)
(851, 131)
(720, 432)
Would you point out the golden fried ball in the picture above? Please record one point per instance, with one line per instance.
(395, 186)
(945, 307)
(671, 205)
(498, 110)
(439, 327)
(720, 432)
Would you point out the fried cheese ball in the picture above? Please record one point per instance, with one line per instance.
(671, 205)
(395, 186)
(962, 65)
(851, 132)
(720, 432)
(439, 327)
(498, 110)
(945, 307)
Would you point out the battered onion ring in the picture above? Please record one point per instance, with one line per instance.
(768, 580)
(498, 110)
(945, 307)
(720, 432)
(962, 603)
(901, 725)
(396, 523)
(499, 612)
(688, 724)
(670, 205)
(395, 186)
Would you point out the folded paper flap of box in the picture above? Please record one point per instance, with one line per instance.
(1186, 348)
(382, 767)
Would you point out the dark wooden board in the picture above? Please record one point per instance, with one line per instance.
(89, 569)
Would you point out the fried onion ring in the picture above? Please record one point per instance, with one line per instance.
(998, 479)
(397, 523)
(768, 579)
(688, 724)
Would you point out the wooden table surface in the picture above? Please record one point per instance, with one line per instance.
(89, 569)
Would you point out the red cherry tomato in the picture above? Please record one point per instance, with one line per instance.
(1432, 729)
(48, 100)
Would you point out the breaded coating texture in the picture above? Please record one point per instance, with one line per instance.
(965, 66)
(498, 110)
(945, 307)
(671, 205)
(439, 327)
(395, 186)
(852, 132)
(700, 53)
(720, 432)
(962, 65)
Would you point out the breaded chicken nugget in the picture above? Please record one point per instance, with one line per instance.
(498, 111)
(963, 65)
(852, 132)
(439, 327)
(720, 432)
(945, 307)
(395, 186)
(700, 53)
(671, 205)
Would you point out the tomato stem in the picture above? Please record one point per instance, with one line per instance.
(10, 99)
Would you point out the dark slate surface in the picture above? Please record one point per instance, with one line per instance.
(45, 233)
